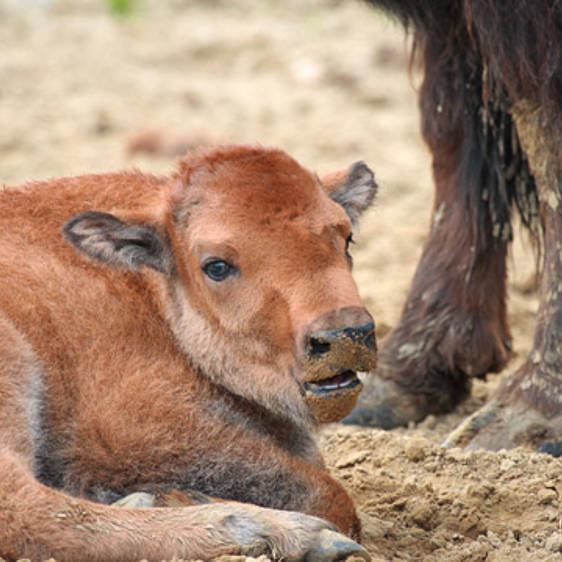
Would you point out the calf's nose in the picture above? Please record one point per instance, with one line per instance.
(322, 342)
(344, 338)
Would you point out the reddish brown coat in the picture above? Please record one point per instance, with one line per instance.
(127, 365)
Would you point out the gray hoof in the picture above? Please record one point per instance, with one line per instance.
(137, 499)
(332, 546)
(384, 404)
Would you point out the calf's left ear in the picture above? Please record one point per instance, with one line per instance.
(353, 188)
(108, 239)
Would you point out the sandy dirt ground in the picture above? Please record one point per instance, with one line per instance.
(328, 82)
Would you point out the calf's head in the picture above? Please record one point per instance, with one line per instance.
(250, 254)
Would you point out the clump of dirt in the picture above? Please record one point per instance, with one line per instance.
(421, 502)
(327, 81)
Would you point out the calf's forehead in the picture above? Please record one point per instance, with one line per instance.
(258, 195)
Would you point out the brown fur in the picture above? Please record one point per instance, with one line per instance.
(129, 368)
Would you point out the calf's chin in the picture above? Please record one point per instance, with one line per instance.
(226, 363)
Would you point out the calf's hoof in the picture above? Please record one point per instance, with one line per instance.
(137, 499)
(498, 425)
(281, 535)
(331, 545)
(287, 535)
(173, 498)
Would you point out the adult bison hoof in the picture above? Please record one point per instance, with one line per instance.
(403, 390)
(385, 404)
(499, 425)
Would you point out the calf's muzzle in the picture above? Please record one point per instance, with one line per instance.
(336, 346)
(327, 341)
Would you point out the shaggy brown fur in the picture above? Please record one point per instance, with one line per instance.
(491, 105)
(181, 333)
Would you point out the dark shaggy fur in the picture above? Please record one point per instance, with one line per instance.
(480, 59)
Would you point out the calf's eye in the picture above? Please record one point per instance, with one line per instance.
(218, 270)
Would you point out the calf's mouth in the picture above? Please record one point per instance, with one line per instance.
(332, 358)
(332, 397)
(345, 380)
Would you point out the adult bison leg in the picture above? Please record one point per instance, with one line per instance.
(527, 407)
(453, 325)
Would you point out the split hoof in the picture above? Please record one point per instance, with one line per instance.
(385, 404)
(289, 535)
(285, 535)
(498, 426)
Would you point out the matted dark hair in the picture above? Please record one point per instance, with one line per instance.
(484, 55)
(518, 42)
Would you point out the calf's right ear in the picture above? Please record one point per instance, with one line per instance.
(111, 240)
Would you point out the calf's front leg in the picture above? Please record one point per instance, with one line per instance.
(37, 522)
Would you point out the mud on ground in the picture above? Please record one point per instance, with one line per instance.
(327, 81)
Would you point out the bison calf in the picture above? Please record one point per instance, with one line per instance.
(179, 333)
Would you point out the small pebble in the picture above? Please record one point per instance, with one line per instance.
(352, 459)
(415, 448)
(506, 465)
(554, 543)
(546, 496)
(429, 423)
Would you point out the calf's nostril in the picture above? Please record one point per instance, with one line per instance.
(316, 348)
(371, 341)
